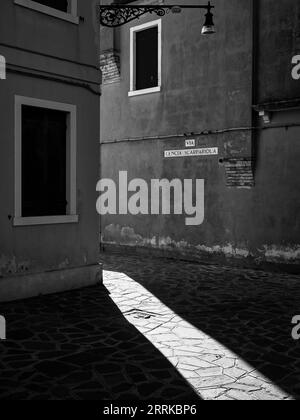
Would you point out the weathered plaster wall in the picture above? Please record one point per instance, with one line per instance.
(261, 223)
(24, 250)
(28, 29)
(206, 81)
(278, 40)
(207, 84)
(51, 246)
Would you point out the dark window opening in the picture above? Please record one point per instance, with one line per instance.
(44, 162)
(55, 4)
(146, 59)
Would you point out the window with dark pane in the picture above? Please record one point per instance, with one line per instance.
(146, 58)
(55, 4)
(44, 162)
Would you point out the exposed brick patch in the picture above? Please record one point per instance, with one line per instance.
(239, 172)
(110, 67)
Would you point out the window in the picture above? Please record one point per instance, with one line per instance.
(55, 4)
(62, 9)
(145, 58)
(44, 162)
(45, 166)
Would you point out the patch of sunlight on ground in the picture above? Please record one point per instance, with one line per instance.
(213, 371)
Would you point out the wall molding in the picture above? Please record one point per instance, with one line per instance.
(70, 16)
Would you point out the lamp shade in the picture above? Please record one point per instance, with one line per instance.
(208, 27)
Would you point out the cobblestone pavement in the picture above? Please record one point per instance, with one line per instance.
(158, 329)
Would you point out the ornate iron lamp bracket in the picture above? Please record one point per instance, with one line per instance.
(113, 16)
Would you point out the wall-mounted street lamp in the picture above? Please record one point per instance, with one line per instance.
(116, 15)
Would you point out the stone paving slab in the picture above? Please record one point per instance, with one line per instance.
(225, 330)
(157, 329)
(79, 346)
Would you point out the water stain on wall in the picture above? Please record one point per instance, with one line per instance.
(118, 235)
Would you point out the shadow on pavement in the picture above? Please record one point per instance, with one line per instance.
(246, 311)
(78, 345)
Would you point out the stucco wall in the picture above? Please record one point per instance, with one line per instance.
(29, 29)
(53, 245)
(206, 81)
(261, 223)
(209, 84)
(278, 40)
(38, 248)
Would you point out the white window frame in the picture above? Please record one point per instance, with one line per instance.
(71, 16)
(72, 216)
(133, 31)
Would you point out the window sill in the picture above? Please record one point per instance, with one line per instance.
(48, 11)
(47, 220)
(144, 91)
